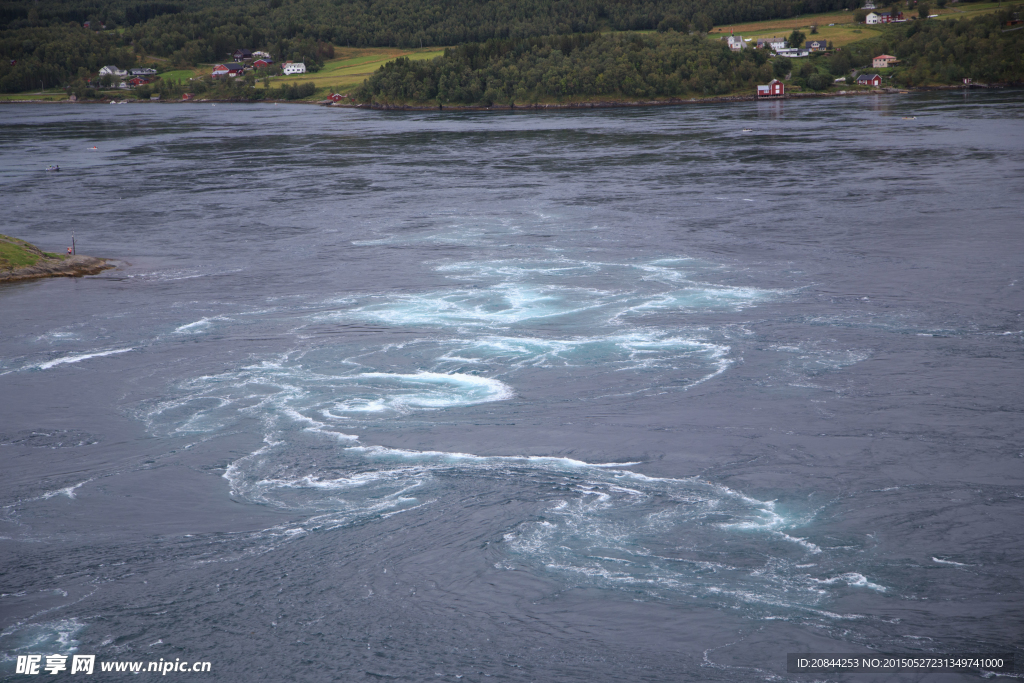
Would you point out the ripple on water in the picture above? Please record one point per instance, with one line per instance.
(592, 524)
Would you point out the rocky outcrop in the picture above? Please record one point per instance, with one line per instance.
(44, 264)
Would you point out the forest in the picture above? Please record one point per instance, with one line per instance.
(986, 49)
(670, 64)
(45, 41)
(506, 50)
(503, 71)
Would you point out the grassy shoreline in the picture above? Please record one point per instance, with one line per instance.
(21, 260)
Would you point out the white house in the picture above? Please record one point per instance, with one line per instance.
(873, 18)
(143, 72)
(774, 43)
(290, 68)
(735, 42)
(113, 71)
(259, 54)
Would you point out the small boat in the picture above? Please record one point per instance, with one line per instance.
(748, 130)
(53, 167)
(910, 118)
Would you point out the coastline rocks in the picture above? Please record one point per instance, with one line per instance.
(75, 266)
(42, 264)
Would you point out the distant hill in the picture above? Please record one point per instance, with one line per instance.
(47, 44)
(635, 66)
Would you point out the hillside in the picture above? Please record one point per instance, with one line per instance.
(45, 44)
(673, 65)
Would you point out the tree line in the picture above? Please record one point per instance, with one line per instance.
(671, 64)
(520, 72)
(191, 32)
(36, 50)
(56, 55)
(931, 52)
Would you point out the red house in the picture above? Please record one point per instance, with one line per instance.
(260, 63)
(775, 89)
(874, 80)
(137, 81)
(187, 96)
(230, 69)
(336, 97)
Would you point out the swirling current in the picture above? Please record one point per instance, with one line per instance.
(618, 395)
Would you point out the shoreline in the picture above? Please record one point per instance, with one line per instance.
(75, 266)
(674, 101)
(544, 106)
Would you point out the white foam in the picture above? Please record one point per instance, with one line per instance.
(852, 579)
(800, 541)
(41, 638)
(447, 390)
(68, 491)
(500, 305)
(703, 297)
(198, 326)
(78, 358)
(517, 269)
(634, 350)
(950, 562)
(447, 457)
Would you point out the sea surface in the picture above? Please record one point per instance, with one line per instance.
(624, 395)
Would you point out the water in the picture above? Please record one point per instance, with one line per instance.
(579, 396)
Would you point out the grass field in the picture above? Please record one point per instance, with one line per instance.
(844, 31)
(183, 74)
(16, 253)
(49, 95)
(352, 66)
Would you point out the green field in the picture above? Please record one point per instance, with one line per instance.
(16, 253)
(351, 67)
(48, 95)
(183, 74)
(845, 30)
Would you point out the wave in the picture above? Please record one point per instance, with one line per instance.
(80, 357)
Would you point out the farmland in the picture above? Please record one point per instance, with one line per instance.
(352, 66)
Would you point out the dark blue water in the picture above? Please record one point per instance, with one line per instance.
(605, 396)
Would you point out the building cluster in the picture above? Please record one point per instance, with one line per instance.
(126, 79)
(246, 60)
(778, 46)
(777, 89)
(884, 18)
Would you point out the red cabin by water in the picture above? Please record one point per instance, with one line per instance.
(774, 89)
